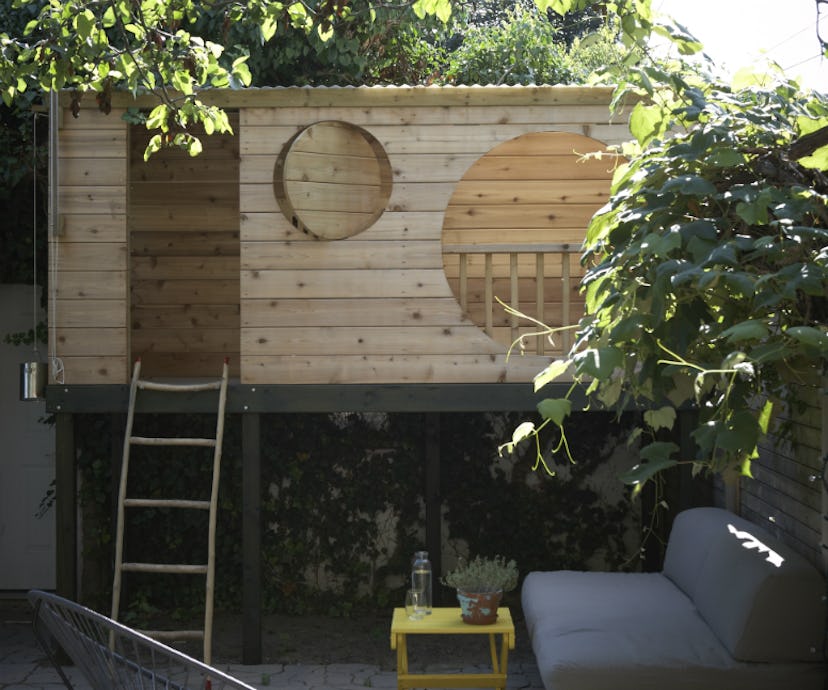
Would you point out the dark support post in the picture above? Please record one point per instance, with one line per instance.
(433, 503)
(251, 540)
(687, 447)
(118, 429)
(66, 506)
(694, 491)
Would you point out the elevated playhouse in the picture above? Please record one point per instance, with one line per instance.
(343, 236)
(346, 249)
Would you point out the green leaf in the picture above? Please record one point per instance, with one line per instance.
(742, 284)
(109, 20)
(157, 119)
(646, 122)
(268, 28)
(522, 431)
(810, 336)
(753, 209)
(153, 146)
(552, 371)
(641, 473)
(555, 409)
(599, 362)
(658, 451)
(663, 418)
(739, 433)
(324, 33)
(818, 160)
(765, 416)
(84, 24)
(752, 329)
(689, 185)
(562, 6)
(440, 8)
(726, 158)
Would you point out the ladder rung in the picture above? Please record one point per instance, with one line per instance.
(165, 503)
(171, 568)
(178, 387)
(164, 441)
(174, 634)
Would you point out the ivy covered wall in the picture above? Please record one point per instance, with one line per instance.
(343, 506)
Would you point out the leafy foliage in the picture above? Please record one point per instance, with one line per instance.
(707, 271)
(366, 44)
(177, 48)
(482, 574)
(342, 508)
(527, 48)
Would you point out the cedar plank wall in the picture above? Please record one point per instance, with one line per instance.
(378, 307)
(89, 301)
(184, 257)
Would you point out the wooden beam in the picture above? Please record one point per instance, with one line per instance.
(433, 502)
(479, 397)
(251, 540)
(66, 506)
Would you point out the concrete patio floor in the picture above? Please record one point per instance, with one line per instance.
(24, 665)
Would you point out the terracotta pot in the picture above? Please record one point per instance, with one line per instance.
(479, 608)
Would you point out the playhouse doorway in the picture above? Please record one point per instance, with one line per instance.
(184, 257)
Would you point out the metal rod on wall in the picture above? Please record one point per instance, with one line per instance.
(33, 372)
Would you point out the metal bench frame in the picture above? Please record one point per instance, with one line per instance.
(112, 656)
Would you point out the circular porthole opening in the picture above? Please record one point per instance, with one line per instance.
(332, 180)
(513, 229)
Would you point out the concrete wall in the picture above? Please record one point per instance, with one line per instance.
(27, 460)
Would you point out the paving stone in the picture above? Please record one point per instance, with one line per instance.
(24, 667)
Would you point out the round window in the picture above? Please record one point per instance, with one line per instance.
(332, 180)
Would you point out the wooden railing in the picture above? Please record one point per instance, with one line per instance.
(543, 253)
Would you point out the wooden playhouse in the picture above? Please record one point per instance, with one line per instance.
(347, 249)
(343, 236)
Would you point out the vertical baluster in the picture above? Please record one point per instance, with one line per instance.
(539, 299)
(488, 297)
(565, 280)
(464, 282)
(514, 288)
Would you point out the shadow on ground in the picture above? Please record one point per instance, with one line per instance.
(316, 639)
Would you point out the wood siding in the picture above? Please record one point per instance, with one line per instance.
(383, 305)
(183, 261)
(89, 301)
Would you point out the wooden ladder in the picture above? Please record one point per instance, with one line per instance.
(124, 502)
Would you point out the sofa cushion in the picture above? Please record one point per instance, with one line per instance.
(690, 539)
(596, 625)
(762, 600)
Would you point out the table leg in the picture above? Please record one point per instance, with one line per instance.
(500, 664)
(504, 655)
(402, 659)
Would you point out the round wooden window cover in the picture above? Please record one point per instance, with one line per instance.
(332, 180)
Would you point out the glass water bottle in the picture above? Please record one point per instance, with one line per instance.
(421, 577)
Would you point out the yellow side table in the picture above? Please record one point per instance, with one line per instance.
(447, 621)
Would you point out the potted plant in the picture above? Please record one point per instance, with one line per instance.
(480, 584)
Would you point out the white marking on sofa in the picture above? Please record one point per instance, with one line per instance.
(751, 542)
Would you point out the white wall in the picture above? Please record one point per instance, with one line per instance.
(27, 459)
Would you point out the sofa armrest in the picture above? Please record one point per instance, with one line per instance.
(763, 600)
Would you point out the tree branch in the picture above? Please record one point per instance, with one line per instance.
(806, 145)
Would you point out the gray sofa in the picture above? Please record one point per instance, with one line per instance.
(733, 609)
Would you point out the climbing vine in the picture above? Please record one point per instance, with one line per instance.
(707, 271)
(343, 508)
